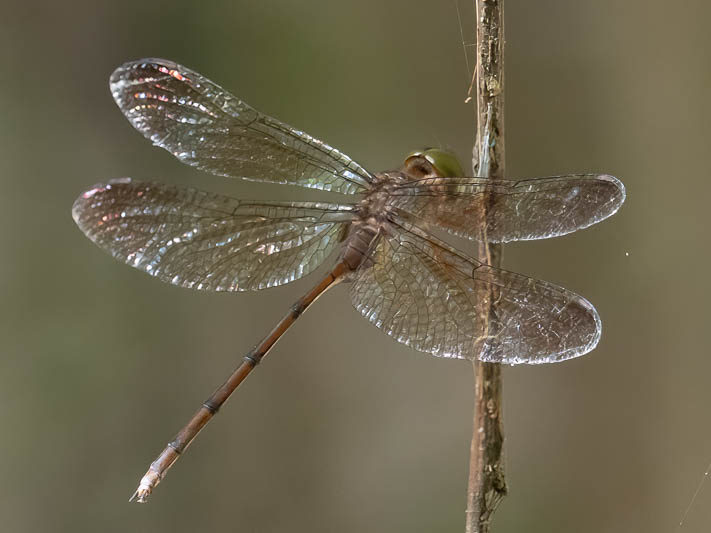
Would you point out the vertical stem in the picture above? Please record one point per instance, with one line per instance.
(487, 485)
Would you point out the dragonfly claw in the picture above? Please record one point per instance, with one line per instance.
(145, 487)
(140, 496)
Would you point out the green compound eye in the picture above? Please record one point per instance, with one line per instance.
(444, 162)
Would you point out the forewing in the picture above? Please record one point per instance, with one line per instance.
(503, 211)
(205, 126)
(206, 241)
(428, 296)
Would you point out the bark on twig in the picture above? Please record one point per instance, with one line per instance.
(487, 485)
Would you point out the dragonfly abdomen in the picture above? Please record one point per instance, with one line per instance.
(358, 243)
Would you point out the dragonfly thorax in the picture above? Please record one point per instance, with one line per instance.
(374, 206)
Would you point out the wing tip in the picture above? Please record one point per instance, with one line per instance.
(617, 197)
(564, 354)
(578, 351)
(121, 77)
(144, 62)
(621, 190)
(80, 203)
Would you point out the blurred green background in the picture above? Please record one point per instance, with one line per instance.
(350, 431)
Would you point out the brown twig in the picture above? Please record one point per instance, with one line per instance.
(487, 485)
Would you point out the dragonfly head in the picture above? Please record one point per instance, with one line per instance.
(432, 162)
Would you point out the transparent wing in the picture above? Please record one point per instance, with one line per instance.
(205, 126)
(510, 210)
(206, 241)
(429, 296)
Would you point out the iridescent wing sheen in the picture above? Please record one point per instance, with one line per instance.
(205, 126)
(428, 296)
(207, 241)
(503, 210)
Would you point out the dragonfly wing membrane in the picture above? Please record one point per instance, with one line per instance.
(428, 296)
(206, 241)
(503, 210)
(205, 126)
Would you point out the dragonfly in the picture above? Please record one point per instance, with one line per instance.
(402, 277)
